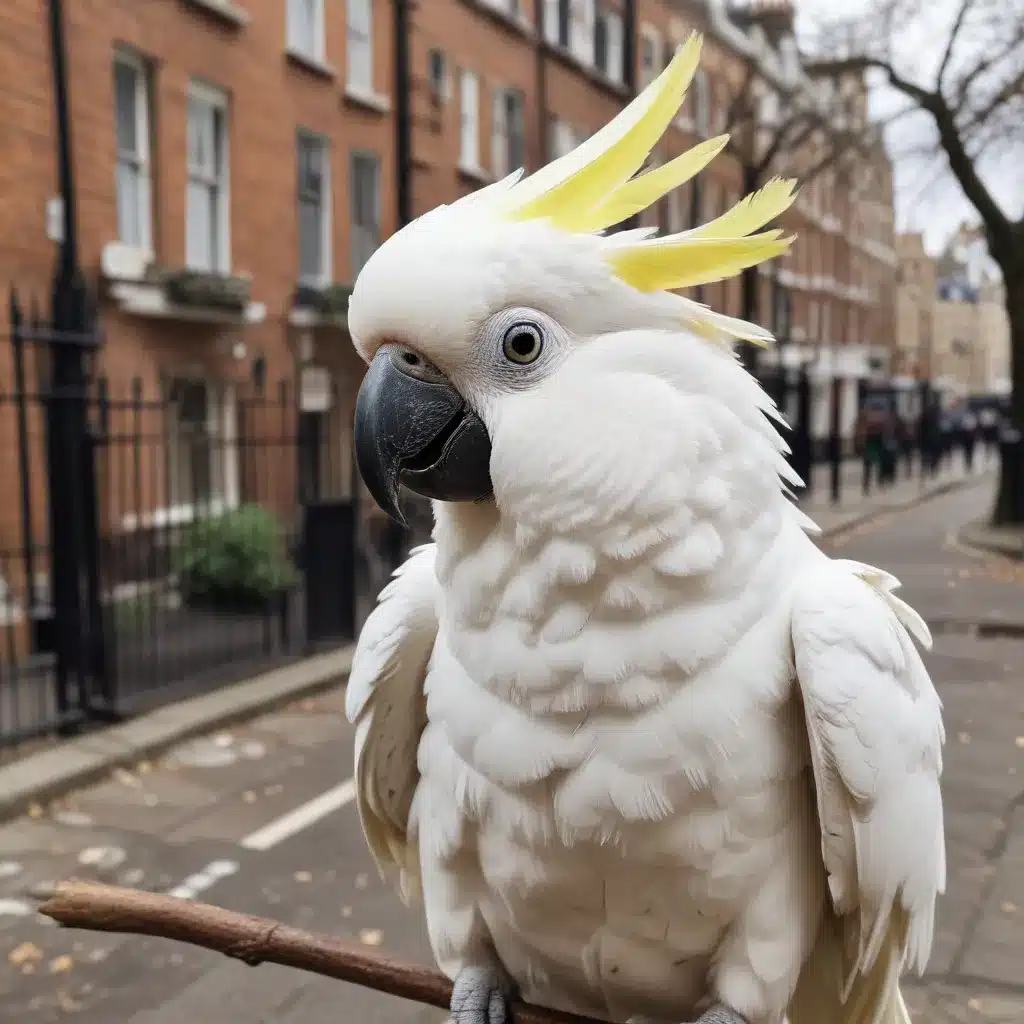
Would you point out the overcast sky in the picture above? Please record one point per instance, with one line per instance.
(928, 198)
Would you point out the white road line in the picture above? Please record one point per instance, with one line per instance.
(195, 884)
(301, 817)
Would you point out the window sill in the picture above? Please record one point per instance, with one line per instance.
(368, 100)
(475, 173)
(310, 63)
(223, 10)
(516, 22)
(147, 299)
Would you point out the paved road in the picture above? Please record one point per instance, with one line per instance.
(261, 819)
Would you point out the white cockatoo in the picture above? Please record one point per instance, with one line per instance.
(642, 748)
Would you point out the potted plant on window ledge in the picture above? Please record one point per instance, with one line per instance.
(329, 302)
(205, 289)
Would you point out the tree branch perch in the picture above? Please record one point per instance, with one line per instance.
(255, 940)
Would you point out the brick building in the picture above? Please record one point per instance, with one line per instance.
(236, 164)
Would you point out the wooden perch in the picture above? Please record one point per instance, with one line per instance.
(256, 940)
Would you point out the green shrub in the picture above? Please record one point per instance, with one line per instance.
(235, 560)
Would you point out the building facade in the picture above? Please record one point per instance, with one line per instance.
(952, 326)
(236, 165)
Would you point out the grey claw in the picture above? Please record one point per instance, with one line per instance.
(480, 996)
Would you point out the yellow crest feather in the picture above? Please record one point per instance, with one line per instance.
(611, 157)
(597, 186)
(643, 191)
(682, 261)
(751, 212)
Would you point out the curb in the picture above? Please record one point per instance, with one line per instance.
(859, 519)
(78, 762)
(982, 539)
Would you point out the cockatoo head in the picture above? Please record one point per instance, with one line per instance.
(511, 342)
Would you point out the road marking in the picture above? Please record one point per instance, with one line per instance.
(301, 817)
(195, 884)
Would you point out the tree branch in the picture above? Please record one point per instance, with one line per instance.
(256, 940)
(954, 34)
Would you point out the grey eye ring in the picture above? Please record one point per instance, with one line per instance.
(523, 343)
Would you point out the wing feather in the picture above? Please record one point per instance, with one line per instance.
(386, 702)
(874, 722)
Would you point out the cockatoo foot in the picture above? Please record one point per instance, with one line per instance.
(720, 1014)
(480, 996)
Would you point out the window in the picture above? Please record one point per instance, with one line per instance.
(365, 186)
(582, 15)
(469, 113)
(556, 22)
(702, 103)
(360, 45)
(314, 198)
(608, 45)
(562, 138)
(207, 245)
(650, 55)
(508, 146)
(202, 470)
(306, 27)
(133, 181)
(437, 76)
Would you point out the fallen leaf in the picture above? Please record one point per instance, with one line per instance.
(27, 952)
(964, 737)
(151, 800)
(273, 790)
(61, 964)
(303, 876)
(126, 778)
(346, 911)
(249, 797)
(371, 936)
(1007, 907)
(1019, 741)
(35, 811)
(144, 767)
(362, 881)
(67, 1004)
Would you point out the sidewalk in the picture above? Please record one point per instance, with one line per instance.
(855, 506)
(974, 975)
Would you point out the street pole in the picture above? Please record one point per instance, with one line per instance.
(403, 112)
(629, 47)
(71, 342)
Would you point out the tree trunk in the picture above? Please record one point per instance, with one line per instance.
(1009, 508)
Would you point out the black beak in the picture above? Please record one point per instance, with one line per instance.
(413, 428)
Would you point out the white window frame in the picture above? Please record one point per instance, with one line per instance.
(582, 21)
(649, 35)
(141, 160)
(316, 48)
(614, 45)
(357, 36)
(501, 130)
(217, 99)
(552, 19)
(354, 155)
(469, 120)
(323, 145)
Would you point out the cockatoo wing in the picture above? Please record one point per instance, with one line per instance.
(874, 722)
(386, 702)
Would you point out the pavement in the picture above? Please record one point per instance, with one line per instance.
(258, 817)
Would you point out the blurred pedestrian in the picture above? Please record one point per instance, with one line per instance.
(968, 438)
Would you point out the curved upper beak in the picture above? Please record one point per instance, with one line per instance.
(414, 429)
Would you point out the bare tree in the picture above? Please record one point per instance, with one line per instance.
(967, 74)
(804, 128)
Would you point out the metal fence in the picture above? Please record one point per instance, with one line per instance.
(162, 538)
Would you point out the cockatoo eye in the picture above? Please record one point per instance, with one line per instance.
(523, 343)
